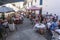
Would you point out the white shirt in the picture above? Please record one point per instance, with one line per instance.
(49, 24)
(39, 25)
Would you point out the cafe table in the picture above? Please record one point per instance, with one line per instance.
(40, 27)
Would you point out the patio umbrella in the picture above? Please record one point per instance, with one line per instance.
(4, 9)
(33, 8)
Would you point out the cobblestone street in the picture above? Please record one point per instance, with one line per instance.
(25, 32)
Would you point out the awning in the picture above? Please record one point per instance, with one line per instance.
(33, 8)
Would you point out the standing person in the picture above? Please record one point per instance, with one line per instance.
(8, 17)
(40, 18)
(47, 15)
(30, 17)
(13, 18)
(33, 16)
(21, 18)
(24, 14)
(11, 24)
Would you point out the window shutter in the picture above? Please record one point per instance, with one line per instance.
(41, 1)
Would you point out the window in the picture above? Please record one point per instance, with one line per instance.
(41, 2)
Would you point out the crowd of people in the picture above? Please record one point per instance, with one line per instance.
(8, 23)
(50, 22)
(41, 22)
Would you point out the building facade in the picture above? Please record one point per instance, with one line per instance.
(37, 3)
(18, 5)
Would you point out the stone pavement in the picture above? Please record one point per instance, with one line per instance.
(25, 32)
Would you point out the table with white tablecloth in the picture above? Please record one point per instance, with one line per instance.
(39, 27)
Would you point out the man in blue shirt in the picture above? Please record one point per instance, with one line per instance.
(53, 26)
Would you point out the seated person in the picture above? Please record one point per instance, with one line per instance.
(53, 27)
(49, 24)
(44, 21)
(55, 17)
(5, 24)
(38, 26)
(59, 24)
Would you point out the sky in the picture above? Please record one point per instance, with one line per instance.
(51, 6)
